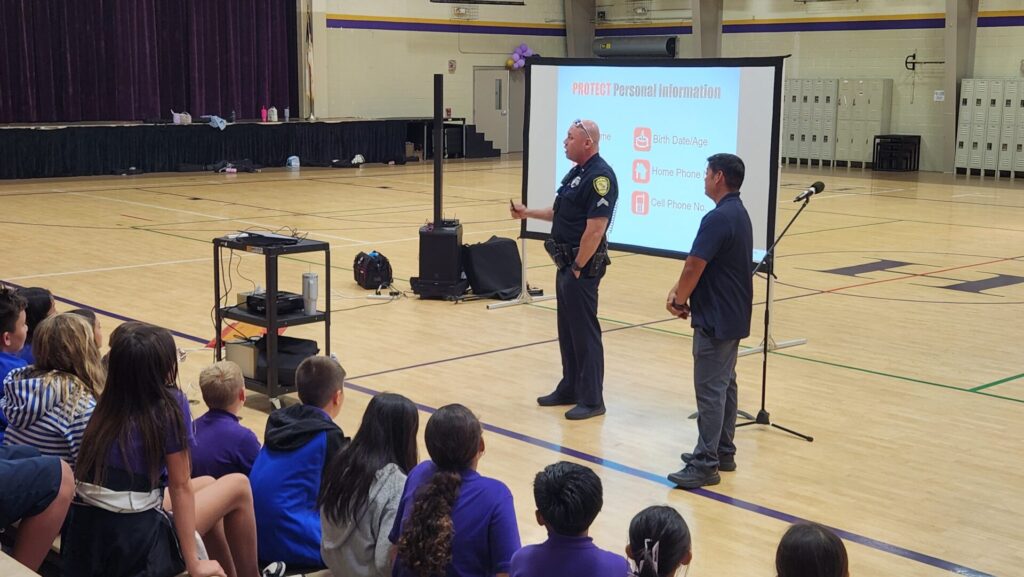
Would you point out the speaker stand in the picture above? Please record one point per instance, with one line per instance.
(524, 297)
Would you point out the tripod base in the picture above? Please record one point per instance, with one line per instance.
(764, 419)
(772, 346)
(524, 298)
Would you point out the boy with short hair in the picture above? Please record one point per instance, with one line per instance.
(299, 442)
(13, 333)
(223, 445)
(568, 497)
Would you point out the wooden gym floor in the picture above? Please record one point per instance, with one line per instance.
(908, 287)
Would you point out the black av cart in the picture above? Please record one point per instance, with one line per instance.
(271, 247)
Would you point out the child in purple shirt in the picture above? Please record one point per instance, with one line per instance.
(134, 452)
(568, 497)
(223, 445)
(451, 520)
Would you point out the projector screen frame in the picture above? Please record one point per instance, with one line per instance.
(773, 178)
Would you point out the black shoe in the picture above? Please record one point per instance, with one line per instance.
(553, 400)
(580, 412)
(725, 464)
(692, 477)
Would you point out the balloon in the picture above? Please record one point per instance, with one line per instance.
(528, 53)
(516, 57)
(510, 64)
(523, 47)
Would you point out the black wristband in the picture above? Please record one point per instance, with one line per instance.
(677, 306)
(575, 267)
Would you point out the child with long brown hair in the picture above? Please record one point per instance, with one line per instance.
(137, 446)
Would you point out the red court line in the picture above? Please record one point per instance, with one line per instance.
(907, 275)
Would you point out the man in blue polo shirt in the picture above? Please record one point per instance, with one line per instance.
(716, 288)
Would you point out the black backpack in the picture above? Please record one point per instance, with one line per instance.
(372, 271)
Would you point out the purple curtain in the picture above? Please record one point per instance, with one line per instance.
(67, 60)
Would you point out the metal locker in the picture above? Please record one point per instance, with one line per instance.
(806, 91)
(963, 137)
(860, 101)
(804, 146)
(829, 94)
(815, 147)
(990, 158)
(977, 146)
(857, 142)
(995, 102)
(1007, 143)
(844, 102)
(1018, 151)
(966, 101)
(828, 146)
(980, 108)
(1010, 105)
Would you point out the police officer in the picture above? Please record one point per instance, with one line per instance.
(580, 216)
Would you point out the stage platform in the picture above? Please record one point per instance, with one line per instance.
(82, 149)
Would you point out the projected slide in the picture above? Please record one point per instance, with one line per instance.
(659, 124)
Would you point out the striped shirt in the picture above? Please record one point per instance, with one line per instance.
(40, 416)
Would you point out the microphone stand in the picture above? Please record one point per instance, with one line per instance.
(767, 264)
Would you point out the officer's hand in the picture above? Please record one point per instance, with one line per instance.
(576, 273)
(517, 210)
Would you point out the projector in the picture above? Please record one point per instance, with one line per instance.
(286, 303)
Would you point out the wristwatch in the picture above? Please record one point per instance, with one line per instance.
(677, 306)
(575, 267)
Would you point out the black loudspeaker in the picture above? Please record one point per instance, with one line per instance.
(441, 272)
(441, 252)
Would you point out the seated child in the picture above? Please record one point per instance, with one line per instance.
(659, 542)
(811, 550)
(568, 497)
(300, 441)
(223, 445)
(13, 332)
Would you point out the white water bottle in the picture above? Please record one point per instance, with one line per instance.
(310, 287)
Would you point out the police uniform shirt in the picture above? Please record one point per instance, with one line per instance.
(588, 191)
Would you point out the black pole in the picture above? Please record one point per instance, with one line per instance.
(438, 145)
(767, 265)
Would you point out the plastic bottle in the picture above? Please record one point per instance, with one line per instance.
(287, 114)
(263, 113)
(232, 119)
(272, 114)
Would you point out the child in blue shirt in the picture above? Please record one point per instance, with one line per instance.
(13, 332)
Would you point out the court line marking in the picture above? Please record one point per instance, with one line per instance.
(994, 383)
(749, 506)
(191, 212)
(110, 268)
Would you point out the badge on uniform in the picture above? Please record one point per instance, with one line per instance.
(575, 182)
(602, 185)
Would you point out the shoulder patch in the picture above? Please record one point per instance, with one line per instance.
(602, 185)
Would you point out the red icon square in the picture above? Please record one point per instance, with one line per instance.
(641, 138)
(641, 202)
(641, 171)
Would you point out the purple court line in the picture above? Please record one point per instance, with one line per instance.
(614, 465)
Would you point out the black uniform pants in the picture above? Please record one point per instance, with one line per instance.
(579, 338)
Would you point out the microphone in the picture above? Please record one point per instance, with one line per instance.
(811, 190)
